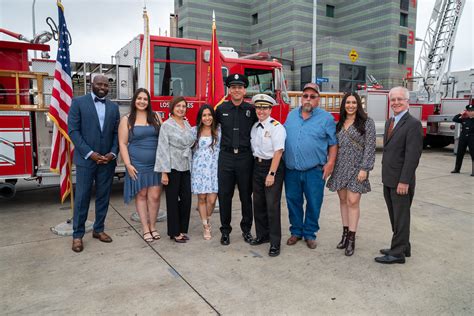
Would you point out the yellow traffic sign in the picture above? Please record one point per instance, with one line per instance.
(353, 55)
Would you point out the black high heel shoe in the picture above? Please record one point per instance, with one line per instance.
(178, 239)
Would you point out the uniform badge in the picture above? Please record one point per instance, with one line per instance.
(247, 113)
(236, 76)
(267, 134)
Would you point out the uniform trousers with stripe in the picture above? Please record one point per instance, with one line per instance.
(267, 201)
(235, 169)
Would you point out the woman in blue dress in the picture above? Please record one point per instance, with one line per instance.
(204, 167)
(138, 141)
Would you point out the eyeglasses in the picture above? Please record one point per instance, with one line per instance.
(263, 108)
(310, 96)
(398, 99)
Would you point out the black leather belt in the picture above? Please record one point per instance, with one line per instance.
(261, 160)
(235, 150)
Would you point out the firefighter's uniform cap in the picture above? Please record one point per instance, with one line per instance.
(469, 107)
(263, 100)
(236, 79)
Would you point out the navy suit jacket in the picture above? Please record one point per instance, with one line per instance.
(402, 151)
(85, 133)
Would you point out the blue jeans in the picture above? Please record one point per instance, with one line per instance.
(311, 184)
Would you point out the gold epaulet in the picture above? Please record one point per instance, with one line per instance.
(275, 122)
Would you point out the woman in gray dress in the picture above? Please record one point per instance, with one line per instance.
(173, 160)
(138, 140)
(355, 158)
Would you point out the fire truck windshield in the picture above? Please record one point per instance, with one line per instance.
(174, 72)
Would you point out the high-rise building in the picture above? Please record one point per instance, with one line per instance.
(356, 39)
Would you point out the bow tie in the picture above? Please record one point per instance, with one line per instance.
(259, 125)
(96, 99)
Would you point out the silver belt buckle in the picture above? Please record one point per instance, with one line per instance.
(236, 150)
(259, 159)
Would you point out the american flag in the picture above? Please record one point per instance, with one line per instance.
(61, 98)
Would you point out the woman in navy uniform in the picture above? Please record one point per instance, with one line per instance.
(268, 143)
(235, 158)
(466, 139)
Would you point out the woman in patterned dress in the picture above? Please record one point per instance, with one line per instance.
(355, 158)
(138, 139)
(204, 168)
(173, 160)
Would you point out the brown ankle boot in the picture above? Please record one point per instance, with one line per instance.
(350, 243)
(343, 243)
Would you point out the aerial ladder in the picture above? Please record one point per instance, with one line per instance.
(437, 48)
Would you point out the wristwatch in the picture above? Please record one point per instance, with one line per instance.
(271, 173)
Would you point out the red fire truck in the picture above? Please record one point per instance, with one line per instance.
(178, 68)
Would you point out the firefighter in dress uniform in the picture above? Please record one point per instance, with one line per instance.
(235, 157)
(268, 143)
(466, 139)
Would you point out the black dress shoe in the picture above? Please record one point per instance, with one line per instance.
(247, 237)
(225, 239)
(387, 259)
(455, 171)
(258, 241)
(274, 251)
(386, 251)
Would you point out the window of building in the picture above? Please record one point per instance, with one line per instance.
(254, 18)
(260, 81)
(181, 32)
(402, 57)
(402, 41)
(174, 71)
(351, 77)
(306, 74)
(404, 19)
(404, 4)
(330, 10)
(180, 3)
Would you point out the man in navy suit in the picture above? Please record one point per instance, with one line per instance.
(93, 123)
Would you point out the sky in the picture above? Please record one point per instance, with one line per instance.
(99, 28)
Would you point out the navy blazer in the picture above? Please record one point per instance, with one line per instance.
(402, 151)
(84, 129)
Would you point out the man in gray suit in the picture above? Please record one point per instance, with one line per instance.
(92, 126)
(402, 147)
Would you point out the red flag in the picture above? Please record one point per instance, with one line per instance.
(61, 98)
(215, 88)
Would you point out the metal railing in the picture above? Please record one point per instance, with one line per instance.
(327, 101)
(20, 94)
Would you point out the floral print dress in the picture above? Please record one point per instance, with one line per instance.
(204, 165)
(356, 152)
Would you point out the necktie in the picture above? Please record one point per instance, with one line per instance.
(96, 99)
(259, 125)
(390, 127)
(235, 132)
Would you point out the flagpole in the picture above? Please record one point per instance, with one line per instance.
(69, 163)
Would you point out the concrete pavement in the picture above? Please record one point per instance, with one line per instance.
(39, 274)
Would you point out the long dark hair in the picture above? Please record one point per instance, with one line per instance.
(151, 117)
(175, 101)
(360, 118)
(200, 126)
